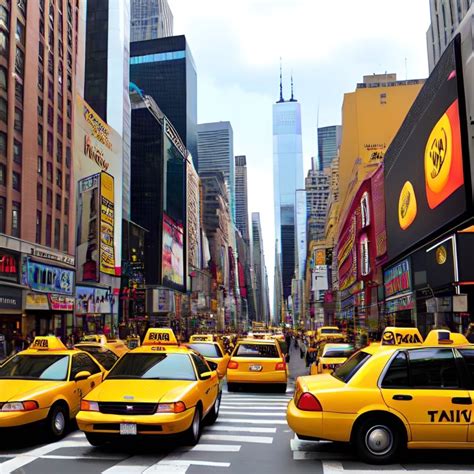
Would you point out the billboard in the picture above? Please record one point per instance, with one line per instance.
(425, 185)
(97, 149)
(173, 254)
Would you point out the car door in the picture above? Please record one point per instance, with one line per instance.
(467, 355)
(424, 385)
(209, 387)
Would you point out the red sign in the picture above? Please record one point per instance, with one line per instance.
(61, 303)
(8, 266)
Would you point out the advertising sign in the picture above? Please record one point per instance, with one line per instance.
(424, 176)
(61, 302)
(9, 266)
(173, 257)
(10, 298)
(37, 301)
(397, 279)
(163, 301)
(48, 279)
(93, 300)
(106, 247)
(98, 148)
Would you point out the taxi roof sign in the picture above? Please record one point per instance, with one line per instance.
(47, 343)
(201, 338)
(100, 338)
(160, 337)
(393, 336)
(444, 337)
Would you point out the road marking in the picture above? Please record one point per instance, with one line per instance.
(211, 448)
(133, 465)
(251, 413)
(96, 458)
(241, 428)
(239, 439)
(252, 421)
(337, 468)
(180, 466)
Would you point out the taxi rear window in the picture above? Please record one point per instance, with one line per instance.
(153, 367)
(336, 353)
(207, 350)
(105, 356)
(257, 350)
(352, 365)
(37, 367)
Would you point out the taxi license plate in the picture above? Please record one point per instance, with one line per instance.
(128, 429)
(255, 368)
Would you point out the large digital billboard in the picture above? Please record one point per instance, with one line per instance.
(425, 172)
(173, 254)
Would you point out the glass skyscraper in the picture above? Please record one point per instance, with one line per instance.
(151, 19)
(329, 140)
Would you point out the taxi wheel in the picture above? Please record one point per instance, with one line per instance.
(193, 434)
(214, 413)
(57, 421)
(378, 441)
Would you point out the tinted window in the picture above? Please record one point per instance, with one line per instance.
(207, 350)
(433, 368)
(153, 366)
(351, 366)
(397, 373)
(468, 356)
(335, 352)
(200, 364)
(105, 356)
(47, 367)
(81, 362)
(256, 350)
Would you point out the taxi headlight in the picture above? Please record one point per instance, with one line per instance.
(177, 407)
(86, 405)
(20, 406)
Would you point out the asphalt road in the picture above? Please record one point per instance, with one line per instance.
(250, 436)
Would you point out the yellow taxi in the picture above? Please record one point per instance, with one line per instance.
(106, 351)
(329, 333)
(213, 352)
(389, 397)
(160, 388)
(255, 361)
(330, 357)
(45, 383)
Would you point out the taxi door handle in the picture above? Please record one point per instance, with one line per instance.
(462, 401)
(402, 398)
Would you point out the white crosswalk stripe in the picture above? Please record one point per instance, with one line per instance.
(240, 439)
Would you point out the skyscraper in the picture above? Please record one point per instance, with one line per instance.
(329, 140)
(262, 311)
(150, 19)
(241, 197)
(165, 69)
(216, 153)
(287, 178)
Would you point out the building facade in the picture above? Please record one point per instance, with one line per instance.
(216, 152)
(329, 140)
(165, 69)
(241, 197)
(258, 255)
(150, 19)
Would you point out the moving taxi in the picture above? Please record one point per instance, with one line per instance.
(330, 357)
(106, 351)
(45, 383)
(329, 333)
(255, 361)
(392, 396)
(214, 354)
(158, 389)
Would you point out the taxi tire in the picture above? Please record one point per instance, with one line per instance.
(386, 426)
(214, 412)
(57, 421)
(192, 435)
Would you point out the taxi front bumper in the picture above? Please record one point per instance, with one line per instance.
(238, 376)
(156, 424)
(10, 419)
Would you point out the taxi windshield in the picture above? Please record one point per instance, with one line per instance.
(35, 367)
(257, 350)
(207, 350)
(153, 367)
(105, 356)
(336, 352)
(350, 367)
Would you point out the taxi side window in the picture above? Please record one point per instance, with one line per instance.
(397, 373)
(81, 362)
(468, 356)
(201, 366)
(433, 368)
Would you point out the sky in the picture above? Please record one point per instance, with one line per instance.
(328, 45)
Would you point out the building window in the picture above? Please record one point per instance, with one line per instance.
(69, 131)
(59, 178)
(21, 4)
(40, 80)
(3, 174)
(50, 91)
(40, 106)
(20, 32)
(3, 17)
(3, 143)
(48, 230)
(57, 233)
(49, 143)
(16, 219)
(50, 115)
(18, 119)
(58, 202)
(19, 92)
(3, 44)
(68, 182)
(19, 62)
(41, 27)
(66, 238)
(68, 157)
(16, 181)
(2, 214)
(59, 151)
(3, 110)
(49, 197)
(39, 192)
(3, 79)
(66, 206)
(60, 126)
(17, 151)
(38, 226)
(69, 109)
(49, 171)
(40, 134)
(40, 165)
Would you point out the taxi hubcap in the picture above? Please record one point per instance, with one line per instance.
(59, 422)
(379, 440)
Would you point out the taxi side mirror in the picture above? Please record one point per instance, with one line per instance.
(82, 375)
(206, 375)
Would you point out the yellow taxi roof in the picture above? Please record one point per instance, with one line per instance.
(256, 341)
(45, 344)
(401, 336)
(160, 337)
(444, 337)
(201, 338)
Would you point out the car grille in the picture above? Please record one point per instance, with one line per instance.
(116, 427)
(112, 408)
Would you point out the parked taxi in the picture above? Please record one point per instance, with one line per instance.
(106, 351)
(45, 383)
(259, 362)
(160, 388)
(390, 396)
(213, 352)
(330, 357)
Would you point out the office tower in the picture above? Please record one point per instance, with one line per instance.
(150, 19)
(241, 197)
(106, 81)
(259, 269)
(287, 178)
(165, 69)
(445, 18)
(300, 233)
(329, 140)
(216, 153)
(318, 188)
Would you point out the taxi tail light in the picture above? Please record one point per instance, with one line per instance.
(233, 365)
(177, 407)
(86, 405)
(308, 402)
(20, 406)
(280, 366)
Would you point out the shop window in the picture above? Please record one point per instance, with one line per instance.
(16, 219)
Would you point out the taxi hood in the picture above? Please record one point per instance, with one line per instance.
(15, 390)
(141, 391)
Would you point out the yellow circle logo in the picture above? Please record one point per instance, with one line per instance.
(407, 206)
(438, 155)
(441, 255)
